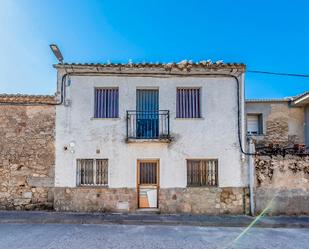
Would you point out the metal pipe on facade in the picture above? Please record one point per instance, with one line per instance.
(251, 175)
(241, 99)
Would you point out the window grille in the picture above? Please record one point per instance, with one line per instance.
(106, 103)
(92, 172)
(148, 173)
(188, 103)
(202, 172)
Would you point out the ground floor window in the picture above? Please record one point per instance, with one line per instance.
(202, 172)
(92, 172)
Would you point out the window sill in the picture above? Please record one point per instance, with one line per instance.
(149, 140)
(105, 118)
(189, 118)
(255, 135)
(202, 186)
(92, 186)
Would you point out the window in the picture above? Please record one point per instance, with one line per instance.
(92, 172)
(148, 172)
(202, 172)
(188, 103)
(254, 124)
(106, 102)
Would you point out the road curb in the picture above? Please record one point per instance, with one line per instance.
(39, 217)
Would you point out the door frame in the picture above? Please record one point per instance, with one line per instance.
(157, 161)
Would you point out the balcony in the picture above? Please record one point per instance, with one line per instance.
(148, 126)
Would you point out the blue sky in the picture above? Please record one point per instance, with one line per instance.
(265, 35)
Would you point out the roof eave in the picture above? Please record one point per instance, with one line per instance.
(164, 68)
(26, 99)
(285, 100)
(302, 100)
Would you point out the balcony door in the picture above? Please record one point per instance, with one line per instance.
(147, 118)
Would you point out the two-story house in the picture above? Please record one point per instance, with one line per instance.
(161, 136)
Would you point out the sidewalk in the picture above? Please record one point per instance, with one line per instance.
(42, 217)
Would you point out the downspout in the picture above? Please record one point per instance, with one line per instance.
(243, 120)
(251, 175)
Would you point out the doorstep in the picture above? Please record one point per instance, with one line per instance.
(148, 210)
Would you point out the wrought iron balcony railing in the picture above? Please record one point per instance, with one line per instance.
(148, 124)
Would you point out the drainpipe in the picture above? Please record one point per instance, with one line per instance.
(251, 175)
(243, 120)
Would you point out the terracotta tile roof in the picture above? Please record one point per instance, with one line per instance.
(185, 66)
(26, 99)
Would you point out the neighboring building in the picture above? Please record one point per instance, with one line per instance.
(160, 136)
(279, 121)
(282, 179)
(27, 152)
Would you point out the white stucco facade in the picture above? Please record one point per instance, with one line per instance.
(214, 136)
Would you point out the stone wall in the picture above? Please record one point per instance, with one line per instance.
(282, 183)
(204, 200)
(95, 199)
(26, 154)
(283, 125)
(171, 200)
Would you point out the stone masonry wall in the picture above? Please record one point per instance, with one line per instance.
(282, 183)
(95, 199)
(202, 200)
(171, 200)
(26, 154)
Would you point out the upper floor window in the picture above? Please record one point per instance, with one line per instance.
(106, 103)
(254, 124)
(188, 103)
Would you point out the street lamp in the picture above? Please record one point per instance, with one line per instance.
(57, 52)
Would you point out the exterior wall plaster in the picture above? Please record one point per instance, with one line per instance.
(212, 136)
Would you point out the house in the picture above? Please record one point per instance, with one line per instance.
(160, 136)
(279, 129)
(279, 121)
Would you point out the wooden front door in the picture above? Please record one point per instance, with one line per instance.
(148, 183)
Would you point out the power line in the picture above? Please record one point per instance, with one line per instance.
(280, 74)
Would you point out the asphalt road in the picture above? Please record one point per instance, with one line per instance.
(56, 236)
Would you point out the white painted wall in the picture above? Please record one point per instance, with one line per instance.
(212, 136)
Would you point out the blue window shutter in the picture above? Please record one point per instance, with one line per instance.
(106, 103)
(188, 103)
